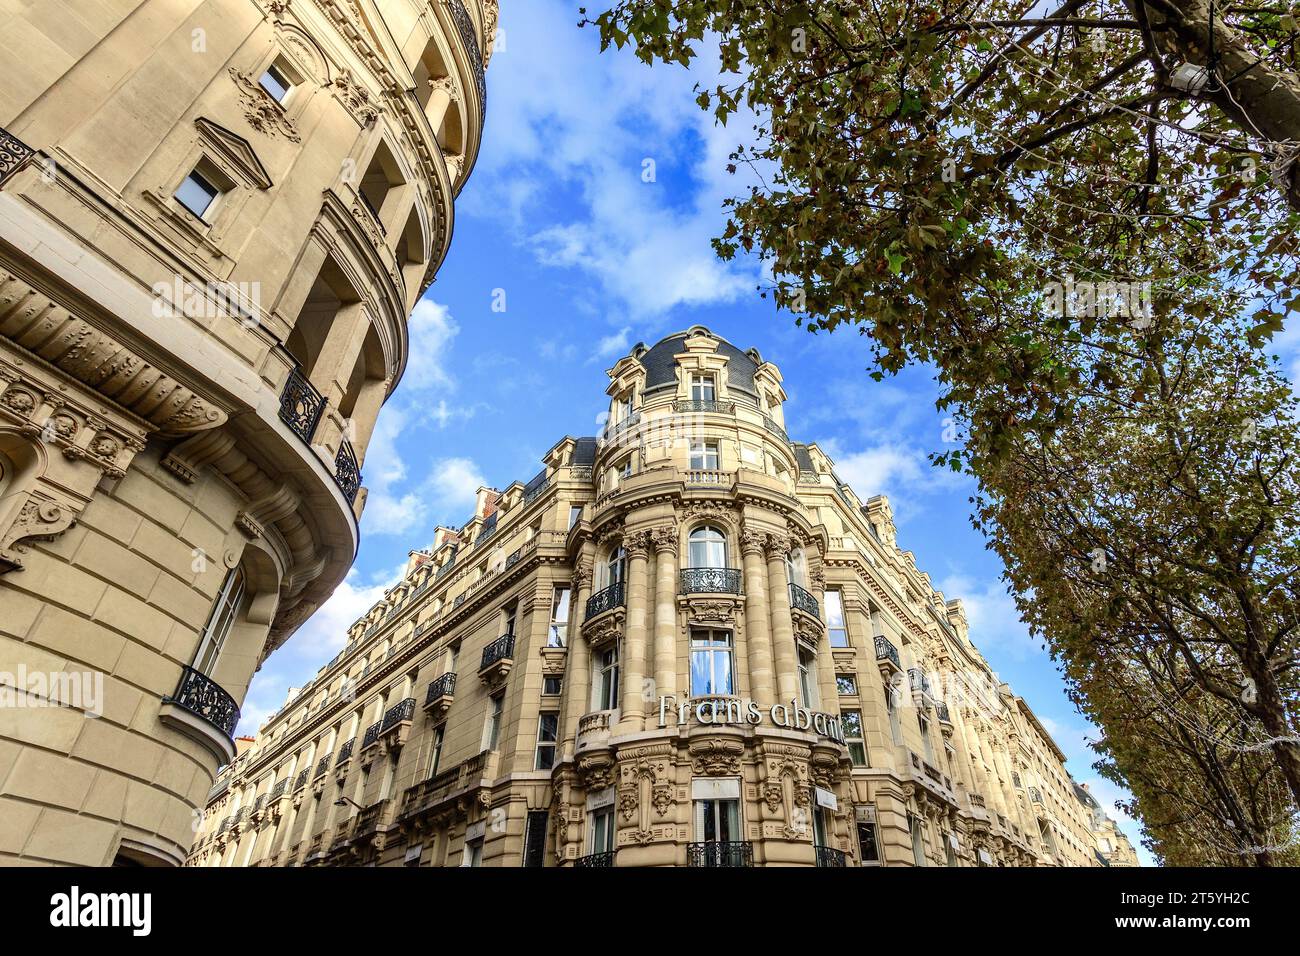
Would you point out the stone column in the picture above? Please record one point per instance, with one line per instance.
(665, 633)
(441, 91)
(338, 355)
(578, 669)
(632, 697)
(365, 411)
(785, 656)
(756, 618)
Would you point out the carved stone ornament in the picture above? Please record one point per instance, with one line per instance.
(752, 542)
(491, 17)
(596, 771)
(263, 113)
(40, 519)
(75, 347)
(355, 98)
(716, 756)
(712, 611)
(606, 629)
(637, 545)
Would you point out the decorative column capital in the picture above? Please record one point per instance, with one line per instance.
(752, 542)
(581, 576)
(664, 539)
(777, 546)
(637, 545)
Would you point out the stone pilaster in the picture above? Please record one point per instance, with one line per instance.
(578, 673)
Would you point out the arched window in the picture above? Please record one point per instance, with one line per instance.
(795, 569)
(615, 567)
(708, 548)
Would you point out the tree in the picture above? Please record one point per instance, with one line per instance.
(1057, 212)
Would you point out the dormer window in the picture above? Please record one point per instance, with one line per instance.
(703, 387)
(622, 409)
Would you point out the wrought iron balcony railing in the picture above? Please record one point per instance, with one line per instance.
(444, 686)
(720, 854)
(372, 734)
(204, 697)
(301, 405)
(489, 527)
(278, 790)
(347, 474)
(465, 27)
(829, 856)
(917, 680)
(321, 766)
(770, 424)
(399, 712)
(595, 859)
(803, 600)
(704, 405)
(941, 710)
(499, 650)
(302, 779)
(1035, 795)
(535, 488)
(886, 651)
(345, 752)
(13, 153)
(710, 581)
(602, 601)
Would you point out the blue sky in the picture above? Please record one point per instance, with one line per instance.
(592, 259)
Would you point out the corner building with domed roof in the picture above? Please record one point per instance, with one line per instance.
(684, 642)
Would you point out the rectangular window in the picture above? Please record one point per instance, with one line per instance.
(846, 685)
(703, 388)
(918, 840)
(711, 663)
(276, 83)
(559, 618)
(853, 737)
(836, 629)
(924, 724)
(473, 852)
(575, 514)
(197, 194)
(718, 822)
(511, 613)
(220, 621)
(704, 456)
(551, 686)
(807, 679)
(601, 835)
(535, 838)
(868, 845)
(950, 849)
(606, 683)
(891, 703)
(492, 728)
(548, 726)
(435, 752)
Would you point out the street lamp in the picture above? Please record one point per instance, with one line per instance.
(344, 801)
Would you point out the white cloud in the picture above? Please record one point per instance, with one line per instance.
(432, 331)
(565, 118)
(454, 484)
(611, 345)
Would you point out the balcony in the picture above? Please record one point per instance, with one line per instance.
(371, 736)
(887, 658)
(498, 659)
(710, 581)
(441, 694)
(278, 790)
(13, 154)
(198, 696)
(704, 406)
(465, 27)
(710, 476)
(720, 854)
(920, 686)
(302, 779)
(596, 860)
(770, 424)
(829, 856)
(605, 600)
(345, 753)
(944, 715)
(593, 729)
(803, 600)
(1035, 795)
(301, 406)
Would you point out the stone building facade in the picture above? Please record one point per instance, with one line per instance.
(683, 642)
(215, 219)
